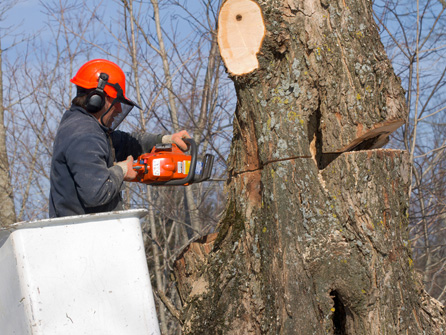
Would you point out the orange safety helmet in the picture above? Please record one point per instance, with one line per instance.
(90, 76)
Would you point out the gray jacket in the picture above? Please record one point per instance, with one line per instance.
(83, 177)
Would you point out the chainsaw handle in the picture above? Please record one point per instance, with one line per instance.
(192, 146)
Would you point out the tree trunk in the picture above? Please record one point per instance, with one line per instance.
(7, 209)
(314, 240)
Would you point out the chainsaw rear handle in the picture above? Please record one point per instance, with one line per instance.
(192, 146)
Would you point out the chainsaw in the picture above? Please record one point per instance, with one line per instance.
(168, 165)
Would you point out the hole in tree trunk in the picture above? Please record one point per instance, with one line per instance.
(339, 315)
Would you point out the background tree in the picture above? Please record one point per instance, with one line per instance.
(7, 210)
(188, 90)
(414, 36)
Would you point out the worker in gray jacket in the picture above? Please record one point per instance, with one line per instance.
(91, 159)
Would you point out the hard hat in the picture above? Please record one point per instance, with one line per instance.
(88, 77)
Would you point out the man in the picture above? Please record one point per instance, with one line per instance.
(90, 158)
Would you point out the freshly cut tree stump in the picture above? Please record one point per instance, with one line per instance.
(240, 34)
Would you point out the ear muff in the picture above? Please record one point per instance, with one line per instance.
(96, 99)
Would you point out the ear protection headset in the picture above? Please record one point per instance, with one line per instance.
(96, 99)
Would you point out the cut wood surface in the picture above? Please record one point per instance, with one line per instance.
(240, 34)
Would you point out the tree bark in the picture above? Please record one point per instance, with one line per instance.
(314, 240)
(7, 209)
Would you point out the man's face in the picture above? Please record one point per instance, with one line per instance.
(114, 111)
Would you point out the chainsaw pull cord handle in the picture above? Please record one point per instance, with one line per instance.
(192, 146)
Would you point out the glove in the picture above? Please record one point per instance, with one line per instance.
(127, 168)
(177, 138)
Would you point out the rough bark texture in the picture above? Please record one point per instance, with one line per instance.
(314, 240)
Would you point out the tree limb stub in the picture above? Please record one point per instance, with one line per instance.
(240, 34)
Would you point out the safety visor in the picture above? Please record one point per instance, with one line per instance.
(126, 106)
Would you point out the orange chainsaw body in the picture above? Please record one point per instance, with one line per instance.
(163, 163)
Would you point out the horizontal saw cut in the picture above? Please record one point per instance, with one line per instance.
(240, 35)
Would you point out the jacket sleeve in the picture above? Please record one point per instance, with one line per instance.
(96, 183)
(134, 144)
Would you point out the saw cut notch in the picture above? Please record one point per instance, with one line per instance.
(241, 30)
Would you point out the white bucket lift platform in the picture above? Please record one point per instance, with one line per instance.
(76, 275)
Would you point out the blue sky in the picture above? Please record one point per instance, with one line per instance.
(26, 10)
(26, 16)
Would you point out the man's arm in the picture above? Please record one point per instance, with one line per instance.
(134, 144)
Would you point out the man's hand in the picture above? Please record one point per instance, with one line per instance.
(127, 167)
(177, 138)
